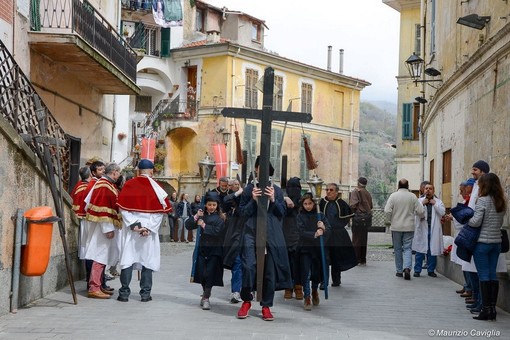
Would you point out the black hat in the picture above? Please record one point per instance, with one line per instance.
(212, 196)
(271, 169)
(363, 181)
(483, 166)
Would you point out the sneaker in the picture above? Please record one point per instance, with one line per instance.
(308, 304)
(206, 305)
(243, 311)
(266, 314)
(235, 297)
(315, 298)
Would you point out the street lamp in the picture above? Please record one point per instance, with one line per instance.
(205, 167)
(415, 66)
(315, 184)
(225, 137)
(474, 21)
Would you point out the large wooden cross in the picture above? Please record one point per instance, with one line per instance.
(266, 116)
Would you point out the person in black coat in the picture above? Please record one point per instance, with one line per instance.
(291, 234)
(209, 266)
(341, 252)
(276, 269)
(312, 226)
(232, 241)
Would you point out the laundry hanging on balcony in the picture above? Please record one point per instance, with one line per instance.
(167, 13)
(220, 157)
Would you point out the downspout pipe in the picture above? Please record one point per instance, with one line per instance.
(20, 221)
(421, 135)
(351, 138)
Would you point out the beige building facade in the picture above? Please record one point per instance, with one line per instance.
(465, 116)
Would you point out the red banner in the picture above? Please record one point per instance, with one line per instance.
(148, 149)
(220, 157)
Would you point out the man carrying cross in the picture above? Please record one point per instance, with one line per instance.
(276, 263)
(264, 251)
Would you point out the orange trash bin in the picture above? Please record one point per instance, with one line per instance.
(35, 255)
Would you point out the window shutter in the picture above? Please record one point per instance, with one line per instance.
(165, 42)
(406, 121)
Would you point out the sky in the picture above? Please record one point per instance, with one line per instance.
(367, 30)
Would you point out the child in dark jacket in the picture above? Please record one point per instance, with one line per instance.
(209, 263)
(312, 225)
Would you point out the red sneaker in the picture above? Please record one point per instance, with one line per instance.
(266, 314)
(243, 311)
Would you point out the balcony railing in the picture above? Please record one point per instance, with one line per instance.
(174, 110)
(137, 4)
(80, 17)
(18, 107)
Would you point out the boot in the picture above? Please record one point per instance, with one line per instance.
(298, 290)
(493, 299)
(288, 294)
(485, 289)
(315, 297)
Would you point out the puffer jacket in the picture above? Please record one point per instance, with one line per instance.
(488, 219)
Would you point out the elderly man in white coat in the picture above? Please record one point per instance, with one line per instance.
(428, 235)
(142, 204)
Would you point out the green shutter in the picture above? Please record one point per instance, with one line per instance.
(165, 42)
(407, 132)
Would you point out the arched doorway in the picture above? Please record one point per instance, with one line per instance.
(181, 151)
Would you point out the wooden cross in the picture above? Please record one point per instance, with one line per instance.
(266, 116)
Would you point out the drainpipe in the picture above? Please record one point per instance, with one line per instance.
(351, 138)
(20, 221)
(231, 120)
(423, 21)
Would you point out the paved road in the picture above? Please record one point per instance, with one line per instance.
(371, 303)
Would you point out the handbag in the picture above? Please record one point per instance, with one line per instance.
(468, 237)
(505, 245)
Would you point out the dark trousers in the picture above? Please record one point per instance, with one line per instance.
(359, 241)
(249, 263)
(335, 259)
(294, 266)
(145, 282)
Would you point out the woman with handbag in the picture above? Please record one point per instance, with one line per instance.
(490, 209)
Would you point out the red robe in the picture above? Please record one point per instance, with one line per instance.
(103, 203)
(78, 194)
(138, 195)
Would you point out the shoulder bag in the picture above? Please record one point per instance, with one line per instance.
(505, 245)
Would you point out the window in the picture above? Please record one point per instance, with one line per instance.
(255, 32)
(250, 92)
(432, 26)
(250, 140)
(410, 120)
(278, 96)
(306, 98)
(417, 39)
(303, 170)
(199, 21)
(143, 104)
(274, 158)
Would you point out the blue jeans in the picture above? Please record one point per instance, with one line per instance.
(306, 286)
(431, 260)
(145, 282)
(237, 275)
(402, 242)
(486, 260)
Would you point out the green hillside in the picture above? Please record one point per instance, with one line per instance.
(376, 156)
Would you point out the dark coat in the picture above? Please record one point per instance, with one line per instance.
(275, 240)
(180, 209)
(209, 268)
(338, 214)
(307, 225)
(234, 230)
(290, 229)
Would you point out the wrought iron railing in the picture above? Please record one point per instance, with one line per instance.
(174, 109)
(17, 105)
(80, 17)
(137, 4)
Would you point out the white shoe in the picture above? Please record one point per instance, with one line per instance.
(205, 304)
(235, 297)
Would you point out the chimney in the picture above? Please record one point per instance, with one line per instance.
(329, 57)
(341, 69)
(213, 37)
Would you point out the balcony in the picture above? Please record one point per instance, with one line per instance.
(73, 33)
(174, 110)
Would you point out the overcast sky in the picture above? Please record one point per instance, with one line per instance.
(367, 30)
